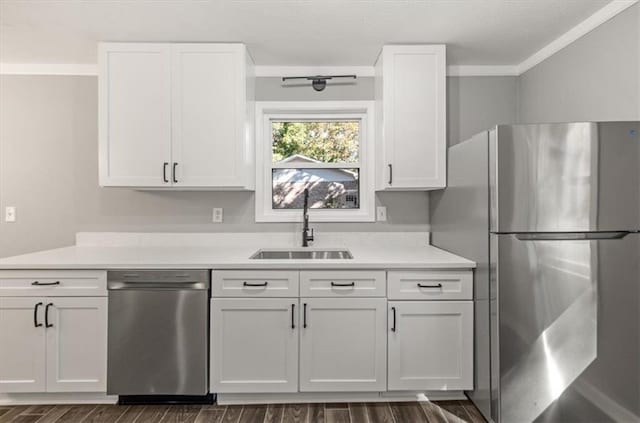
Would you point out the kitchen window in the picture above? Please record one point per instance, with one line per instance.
(325, 147)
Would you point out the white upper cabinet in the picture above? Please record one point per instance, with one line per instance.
(134, 114)
(410, 93)
(209, 103)
(176, 115)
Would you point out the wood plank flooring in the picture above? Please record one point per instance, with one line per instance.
(397, 412)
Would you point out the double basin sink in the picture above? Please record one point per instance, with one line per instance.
(301, 255)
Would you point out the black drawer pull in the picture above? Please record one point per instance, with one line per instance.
(430, 286)
(36, 283)
(393, 328)
(343, 284)
(35, 315)
(304, 315)
(245, 283)
(293, 319)
(46, 316)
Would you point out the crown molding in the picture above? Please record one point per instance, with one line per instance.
(48, 69)
(482, 70)
(578, 31)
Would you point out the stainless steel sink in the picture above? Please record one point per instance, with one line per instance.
(301, 255)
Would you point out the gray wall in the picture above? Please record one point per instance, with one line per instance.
(596, 78)
(477, 103)
(49, 171)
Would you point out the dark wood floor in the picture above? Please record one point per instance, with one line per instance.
(402, 412)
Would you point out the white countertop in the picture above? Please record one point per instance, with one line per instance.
(232, 251)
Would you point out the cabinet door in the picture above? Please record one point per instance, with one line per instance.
(135, 114)
(343, 344)
(76, 344)
(414, 112)
(208, 114)
(254, 345)
(430, 345)
(22, 345)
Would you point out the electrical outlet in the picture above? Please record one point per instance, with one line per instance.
(217, 215)
(381, 214)
(10, 214)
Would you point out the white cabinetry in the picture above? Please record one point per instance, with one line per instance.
(52, 343)
(134, 114)
(343, 344)
(356, 331)
(254, 345)
(76, 344)
(430, 345)
(176, 115)
(410, 91)
(22, 345)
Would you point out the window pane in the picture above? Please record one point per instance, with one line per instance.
(328, 188)
(322, 141)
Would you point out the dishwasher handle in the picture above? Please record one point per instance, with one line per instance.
(191, 285)
(159, 279)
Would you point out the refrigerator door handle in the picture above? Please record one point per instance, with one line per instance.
(570, 236)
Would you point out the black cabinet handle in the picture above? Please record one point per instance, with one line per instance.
(293, 319)
(245, 283)
(46, 316)
(429, 286)
(390, 173)
(36, 283)
(393, 327)
(164, 172)
(35, 316)
(304, 315)
(173, 173)
(343, 284)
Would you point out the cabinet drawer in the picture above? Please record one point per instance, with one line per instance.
(254, 283)
(346, 283)
(53, 283)
(430, 285)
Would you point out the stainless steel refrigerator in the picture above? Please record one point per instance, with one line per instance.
(551, 214)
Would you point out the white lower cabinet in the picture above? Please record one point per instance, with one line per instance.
(77, 345)
(254, 345)
(430, 345)
(343, 344)
(53, 344)
(22, 345)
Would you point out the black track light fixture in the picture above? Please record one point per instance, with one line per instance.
(318, 82)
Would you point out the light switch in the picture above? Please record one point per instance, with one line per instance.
(10, 214)
(381, 214)
(217, 215)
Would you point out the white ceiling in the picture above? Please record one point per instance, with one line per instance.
(291, 32)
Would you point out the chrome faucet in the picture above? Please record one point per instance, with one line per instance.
(305, 218)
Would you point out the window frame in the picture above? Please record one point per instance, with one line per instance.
(268, 111)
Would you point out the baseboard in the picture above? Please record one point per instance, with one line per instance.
(314, 397)
(605, 403)
(57, 398)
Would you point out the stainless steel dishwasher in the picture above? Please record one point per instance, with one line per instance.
(158, 336)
